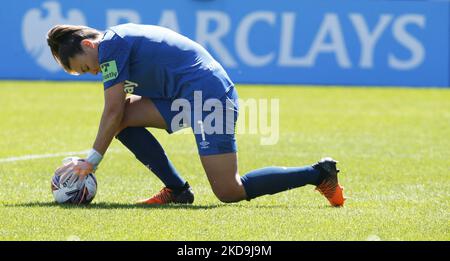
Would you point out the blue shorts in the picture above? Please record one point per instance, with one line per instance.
(212, 119)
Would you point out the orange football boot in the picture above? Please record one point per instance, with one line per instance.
(329, 187)
(167, 196)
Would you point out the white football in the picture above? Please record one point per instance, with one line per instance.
(68, 187)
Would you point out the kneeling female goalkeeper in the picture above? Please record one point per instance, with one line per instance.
(162, 68)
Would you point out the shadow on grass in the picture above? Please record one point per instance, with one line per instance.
(115, 205)
(104, 205)
(296, 207)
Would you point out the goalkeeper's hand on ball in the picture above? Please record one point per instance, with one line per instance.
(84, 167)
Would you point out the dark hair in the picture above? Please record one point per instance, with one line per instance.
(65, 42)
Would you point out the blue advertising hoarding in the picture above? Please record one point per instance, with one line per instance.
(346, 42)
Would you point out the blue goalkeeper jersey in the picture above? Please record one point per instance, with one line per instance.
(158, 63)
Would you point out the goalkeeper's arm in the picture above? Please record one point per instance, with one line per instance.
(110, 121)
(111, 117)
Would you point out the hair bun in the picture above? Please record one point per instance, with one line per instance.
(64, 41)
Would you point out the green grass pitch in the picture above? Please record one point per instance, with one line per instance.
(393, 147)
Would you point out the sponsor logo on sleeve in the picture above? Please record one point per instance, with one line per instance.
(109, 70)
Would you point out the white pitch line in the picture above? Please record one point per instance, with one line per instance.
(43, 156)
